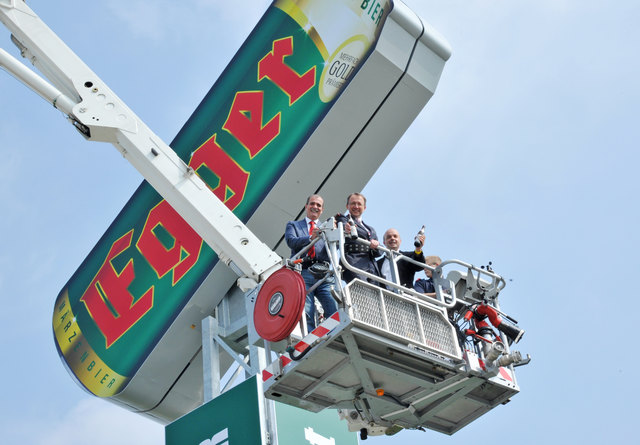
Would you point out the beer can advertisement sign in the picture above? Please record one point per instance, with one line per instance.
(240, 139)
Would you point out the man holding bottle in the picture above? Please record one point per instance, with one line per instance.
(406, 269)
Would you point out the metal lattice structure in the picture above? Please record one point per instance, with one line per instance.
(419, 323)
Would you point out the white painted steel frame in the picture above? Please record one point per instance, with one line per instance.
(107, 119)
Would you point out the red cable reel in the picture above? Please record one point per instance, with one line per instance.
(279, 305)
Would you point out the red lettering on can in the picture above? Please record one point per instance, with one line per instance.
(182, 255)
(232, 178)
(108, 300)
(272, 66)
(245, 122)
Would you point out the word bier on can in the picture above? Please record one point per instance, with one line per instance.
(346, 30)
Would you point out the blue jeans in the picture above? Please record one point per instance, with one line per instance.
(323, 294)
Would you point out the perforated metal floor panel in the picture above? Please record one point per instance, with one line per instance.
(421, 324)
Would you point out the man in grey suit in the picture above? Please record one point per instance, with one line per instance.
(298, 235)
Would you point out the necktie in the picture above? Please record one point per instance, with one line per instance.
(312, 251)
(363, 227)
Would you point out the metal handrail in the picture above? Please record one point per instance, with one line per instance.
(497, 282)
(439, 301)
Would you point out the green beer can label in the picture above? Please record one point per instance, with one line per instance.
(240, 139)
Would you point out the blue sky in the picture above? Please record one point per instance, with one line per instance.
(526, 156)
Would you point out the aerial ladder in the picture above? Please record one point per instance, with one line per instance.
(389, 359)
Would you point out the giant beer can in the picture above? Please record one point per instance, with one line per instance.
(242, 137)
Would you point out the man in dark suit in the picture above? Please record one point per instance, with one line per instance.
(406, 270)
(356, 254)
(298, 235)
(426, 286)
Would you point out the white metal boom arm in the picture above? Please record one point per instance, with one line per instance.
(101, 116)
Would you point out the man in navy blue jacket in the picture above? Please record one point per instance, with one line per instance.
(298, 235)
(362, 257)
(426, 286)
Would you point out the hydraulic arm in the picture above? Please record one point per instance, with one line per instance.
(100, 115)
